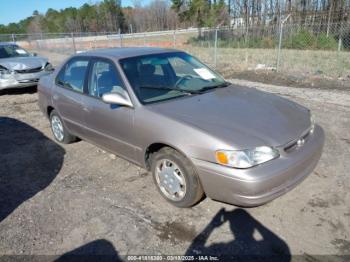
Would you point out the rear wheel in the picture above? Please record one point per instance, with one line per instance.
(175, 178)
(59, 131)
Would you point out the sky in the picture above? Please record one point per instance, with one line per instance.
(16, 10)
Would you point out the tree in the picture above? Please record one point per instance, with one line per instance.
(35, 25)
(112, 15)
(109, 15)
(201, 12)
(88, 18)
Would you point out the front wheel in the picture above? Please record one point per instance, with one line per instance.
(176, 178)
(59, 131)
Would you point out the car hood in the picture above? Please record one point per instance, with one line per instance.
(240, 116)
(23, 63)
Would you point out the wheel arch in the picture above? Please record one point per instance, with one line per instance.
(155, 147)
(49, 109)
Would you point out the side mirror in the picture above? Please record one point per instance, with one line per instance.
(34, 54)
(117, 98)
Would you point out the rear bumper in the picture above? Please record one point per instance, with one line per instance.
(22, 80)
(261, 184)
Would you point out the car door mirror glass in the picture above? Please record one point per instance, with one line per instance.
(119, 98)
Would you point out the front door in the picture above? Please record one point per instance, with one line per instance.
(109, 126)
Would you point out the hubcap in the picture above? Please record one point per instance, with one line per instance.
(170, 180)
(57, 128)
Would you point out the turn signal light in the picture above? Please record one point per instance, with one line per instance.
(221, 158)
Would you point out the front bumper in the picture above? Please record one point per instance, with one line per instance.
(261, 184)
(17, 80)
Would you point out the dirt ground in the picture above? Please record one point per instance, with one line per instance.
(292, 80)
(62, 199)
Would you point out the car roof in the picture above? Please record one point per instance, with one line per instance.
(124, 52)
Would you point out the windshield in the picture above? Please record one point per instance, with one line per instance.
(160, 77)
(8, 51)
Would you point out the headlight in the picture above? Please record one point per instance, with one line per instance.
(4, 73)
(49, 67)
(246, 158)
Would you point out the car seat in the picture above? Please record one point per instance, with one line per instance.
(77, 77)
(107, 82)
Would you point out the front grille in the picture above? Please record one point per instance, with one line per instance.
(297, 143)
(28, 71)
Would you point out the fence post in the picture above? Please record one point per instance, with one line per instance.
(280, 43)
(339, 44)
(13, 38)
(215, 47)
(174, 39)
(121, 39)
(109, 39)
(340, 37)
(279, 48)
(73, 41)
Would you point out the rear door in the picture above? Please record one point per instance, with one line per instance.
(67, 96)
(110, 126)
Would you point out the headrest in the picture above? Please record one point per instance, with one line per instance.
(130, 68)
(107, 79)
(147, 69)
(78, 71)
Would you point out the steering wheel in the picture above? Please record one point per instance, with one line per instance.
(181, 79)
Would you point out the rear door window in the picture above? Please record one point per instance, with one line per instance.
(72, 75)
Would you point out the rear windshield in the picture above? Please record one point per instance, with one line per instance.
(8, 51)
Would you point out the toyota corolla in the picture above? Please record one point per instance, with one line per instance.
(198, 134)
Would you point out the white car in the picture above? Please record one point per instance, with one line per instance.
(19, 68)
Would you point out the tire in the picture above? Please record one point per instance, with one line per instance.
(186, 195)
(55, 122)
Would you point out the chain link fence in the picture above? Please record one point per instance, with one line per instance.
(316, 49)
(293, 49)
(307, 49)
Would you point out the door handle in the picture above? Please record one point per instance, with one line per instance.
(86, 109)
(55, 97)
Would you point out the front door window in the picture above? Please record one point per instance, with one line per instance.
(104, 79)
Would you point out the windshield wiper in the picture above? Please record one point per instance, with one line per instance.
(206, 88)
(190, 92)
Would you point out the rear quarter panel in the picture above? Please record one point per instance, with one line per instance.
(44, 93)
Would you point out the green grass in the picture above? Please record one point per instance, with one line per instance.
(301, 39)
(293, 61)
